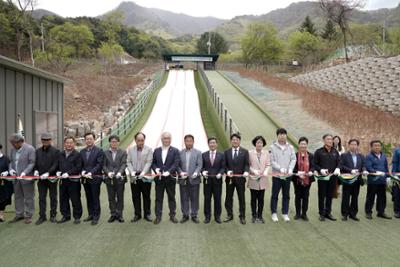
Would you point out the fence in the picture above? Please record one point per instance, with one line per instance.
(127, 121)
(229, 125)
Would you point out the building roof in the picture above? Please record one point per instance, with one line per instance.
(16, 65)
(191, 57)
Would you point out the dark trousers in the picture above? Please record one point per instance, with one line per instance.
(350, 199)
(70, 190)
(139, 190)
(43, 187)
(325, 193)
(239, 184)
(92, 191)
(378, 190)
(301, 196)
(189, 199)
(396, 199)
(277, 185)
(115, 192)
(257, 202)
(212, 190)
(165, 184)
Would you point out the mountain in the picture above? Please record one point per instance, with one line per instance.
(164, 23)
(39, 13)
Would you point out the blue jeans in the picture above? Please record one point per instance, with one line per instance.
(277, 185)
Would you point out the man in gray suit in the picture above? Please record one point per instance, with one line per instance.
(140, 158)
(189, 181)
(22, 159)
(114, 169)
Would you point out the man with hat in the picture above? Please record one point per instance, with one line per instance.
(46, 165)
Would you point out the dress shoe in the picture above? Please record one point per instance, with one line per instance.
(94, 222)
(330, 217)
(16, 219)
(297, 217)
(64, 219)
(207, 220)
(228, 219)
(397, 215)
(148, 218)
(136, 218)
(53, 219)
(184, 219)
(112, 219)
(321, 218)
(304, 217)
(261, 219)
(384, 216)
(88, 219)
(28, 220)
(253, 219)
(243, 220)
(344, 218)
(368, 216)
(121, 219)
(157, 220)
(354, 218)
(173, 219)
(218, 220)
(195, 219)
(40, 221)
(77, 221)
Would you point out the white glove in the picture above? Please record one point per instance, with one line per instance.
(142, 174)
(246, 174)
(229, 173)
(165, 174)
(4, 174)
(88, 175)
(83, 173)
(36, 173)
(219, 176)
(119, 175)
(354, 172)
(290, 172)
(44, 176)
(22, 174)
(256, 172)
(379, 173)
(324, 172)
(110, 174)
(64, 175)
(388, 181)
(265, 173)
(365, 173)
(58, 174)
(183, 174)
(157, 171)
(310, 173)
(127, 172)
(282, 170)
(194, 176)
(13, 172)
(301, 173)
(205, 173)
(337, 172)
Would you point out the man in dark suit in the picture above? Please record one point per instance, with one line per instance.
(351, 162)
(70, 164)
(166, 160)
(92, 158)
(212, 171)
(237, 166)
(114, 169)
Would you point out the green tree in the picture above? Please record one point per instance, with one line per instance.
(308, 26)
(306, 48)
(394, 40)
(329, 32)
(217, 42)
(260, 45)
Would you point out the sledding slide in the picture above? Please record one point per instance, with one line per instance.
(177, 110)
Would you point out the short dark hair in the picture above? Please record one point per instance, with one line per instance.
(375, 142)
(259, 137)
(115, 137)
(140, 133)
(188, 136)
(69, 137)
(237, 135)
(212, 138)
(90, 133)
(326, 135)
(303, 138)
(354, 140)
(280, 131)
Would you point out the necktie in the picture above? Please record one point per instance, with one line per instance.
(235, 154)
(212, 158)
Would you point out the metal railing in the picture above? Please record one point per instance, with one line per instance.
(229, 125)
(125, 123)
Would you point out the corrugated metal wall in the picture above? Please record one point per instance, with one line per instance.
(25, 93)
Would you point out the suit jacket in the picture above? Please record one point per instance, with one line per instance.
(347, 164)
(26, 162)
(93, 164)
(195, 165)
(216, 168)
(47, 160)
(259, 165)
(240, 164)
(71, 164)
(146, 158)
(171, 163)
(117, 166)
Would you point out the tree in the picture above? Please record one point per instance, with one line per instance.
(306, 48)
(218, 43)
(110, 52)
(394, 40)
(329, 32)
(260, 44)
(308, 26)
(339, 12)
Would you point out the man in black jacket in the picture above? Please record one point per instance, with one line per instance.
(351, 162)
(92, 168)
(212, 171)
(46, 165)
(70, 165)
(237, 167)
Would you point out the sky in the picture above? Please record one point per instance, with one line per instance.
(225, 9)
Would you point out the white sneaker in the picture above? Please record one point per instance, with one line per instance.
(285, 217)
(274, 217)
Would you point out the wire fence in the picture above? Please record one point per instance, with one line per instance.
(229, 125)
(125, 123)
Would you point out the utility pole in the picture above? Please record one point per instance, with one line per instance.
(42, 38)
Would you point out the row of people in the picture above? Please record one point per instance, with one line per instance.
(91, 166)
